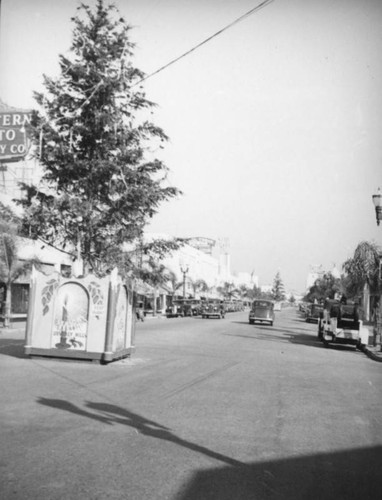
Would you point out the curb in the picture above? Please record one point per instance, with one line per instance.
(372, 354)
(12, 334)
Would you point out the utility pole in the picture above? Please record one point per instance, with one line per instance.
(184, 269)
(377, 201)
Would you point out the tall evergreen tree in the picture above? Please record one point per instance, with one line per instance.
(95, 140)
(278, 292)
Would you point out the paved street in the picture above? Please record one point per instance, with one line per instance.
(204, 409)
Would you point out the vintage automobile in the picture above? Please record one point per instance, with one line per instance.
(233, 305)
(262, 311)
(195, 307)
(313, 312)
(176, 309)
(340, 324)
(180, 307)
(303, 307)
(213, 309)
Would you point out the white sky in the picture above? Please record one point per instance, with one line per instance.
(275, 125)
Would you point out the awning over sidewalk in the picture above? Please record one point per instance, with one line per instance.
(142, 288)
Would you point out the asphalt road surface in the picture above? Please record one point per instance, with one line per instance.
(204, 409)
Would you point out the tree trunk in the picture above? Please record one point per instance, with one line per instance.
(8, 305)
(155, 301)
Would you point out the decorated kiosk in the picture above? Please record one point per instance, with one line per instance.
(83, 318)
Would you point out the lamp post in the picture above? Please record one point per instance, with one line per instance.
(184, 269)
(377, 201)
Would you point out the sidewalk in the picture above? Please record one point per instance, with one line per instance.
(16, 330)
(372, 352)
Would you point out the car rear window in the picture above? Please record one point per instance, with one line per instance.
(348, 311)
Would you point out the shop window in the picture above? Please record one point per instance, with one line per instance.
(20, 297)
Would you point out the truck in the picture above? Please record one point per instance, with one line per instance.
(339, 323)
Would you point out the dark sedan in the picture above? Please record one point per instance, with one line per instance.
(262, 311)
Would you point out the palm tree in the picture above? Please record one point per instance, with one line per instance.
(11, 268)
(173, 282)
(362, 273)
(156, 274)
(362, 268)
(200, 286)
(244, 291)
(228, 290)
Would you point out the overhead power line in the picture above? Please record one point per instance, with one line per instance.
(236, 21)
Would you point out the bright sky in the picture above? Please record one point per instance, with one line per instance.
(275, 125)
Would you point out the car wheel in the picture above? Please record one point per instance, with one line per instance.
(271, 323)
(251, 322)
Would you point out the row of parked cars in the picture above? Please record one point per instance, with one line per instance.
(206, 308)
(261, 311)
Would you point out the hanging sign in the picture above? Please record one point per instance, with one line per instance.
(13, 138)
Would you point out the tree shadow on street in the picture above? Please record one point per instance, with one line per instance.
(301, 320)
(13, 347)
(269, 333)
(112, 414)
(343, 475)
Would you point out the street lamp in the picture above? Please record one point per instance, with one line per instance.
(377, 200)
(184, 269)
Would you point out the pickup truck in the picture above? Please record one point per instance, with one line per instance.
(339, 323)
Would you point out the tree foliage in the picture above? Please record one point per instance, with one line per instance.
(278, 292)
(95, 140)
(11, 267)
(228, 291)
(325, 287)
(200, 286)
(363, 267)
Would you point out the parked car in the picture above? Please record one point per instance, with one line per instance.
(262, 311)
(303, 307)
(213, 309)
(233, 305)
(313, 312)
(176, 309)
(195, 307)
(180, 307)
